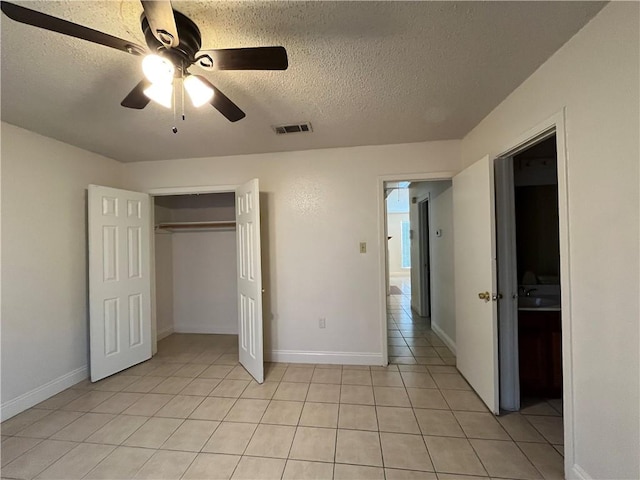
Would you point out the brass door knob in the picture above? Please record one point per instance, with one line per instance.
(486, 296)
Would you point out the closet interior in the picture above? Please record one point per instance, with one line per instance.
(195, 257)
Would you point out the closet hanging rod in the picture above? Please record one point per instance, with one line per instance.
(190, 225)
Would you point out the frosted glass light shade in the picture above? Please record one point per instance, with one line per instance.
(158, 69)
(160, 93)
(199, 92)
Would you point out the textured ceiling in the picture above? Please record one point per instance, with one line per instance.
(363, 73)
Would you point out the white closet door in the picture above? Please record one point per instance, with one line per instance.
(119, 280)
(476, 280)
(249, 279)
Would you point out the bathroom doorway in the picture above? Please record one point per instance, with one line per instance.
(529, 275)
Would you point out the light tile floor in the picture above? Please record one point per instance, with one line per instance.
(411, 342)
(192, 412)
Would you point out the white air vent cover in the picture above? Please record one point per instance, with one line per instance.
(293, 128)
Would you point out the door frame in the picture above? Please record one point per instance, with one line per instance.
(163, 192)
(382, 244)
(508, 348)
(424, 220)
(557, 123)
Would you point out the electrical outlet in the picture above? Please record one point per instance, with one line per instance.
(322, 323)
(363, 247)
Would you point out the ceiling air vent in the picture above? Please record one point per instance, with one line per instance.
(293, 128)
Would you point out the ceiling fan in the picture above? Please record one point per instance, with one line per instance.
(173, 42)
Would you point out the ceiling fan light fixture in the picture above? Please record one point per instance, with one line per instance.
(158, 69)
(199, 92)
(160, 93)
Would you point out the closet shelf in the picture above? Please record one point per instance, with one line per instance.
(196, 225)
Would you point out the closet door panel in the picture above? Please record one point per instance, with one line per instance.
(119, 280)
(250, 338)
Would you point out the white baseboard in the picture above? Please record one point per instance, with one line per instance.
(41, 393)
(444, 337)
(339, 358)
(203, 328)
(164, 333)
(578, 472)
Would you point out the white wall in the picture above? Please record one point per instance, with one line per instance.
(44, 264)
(394, 230)
(317, 207)
(205, 282)
(595, 76)
(441, 253)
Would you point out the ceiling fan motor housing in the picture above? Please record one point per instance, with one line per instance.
(182, 56)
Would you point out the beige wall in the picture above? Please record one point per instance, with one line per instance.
(317, 207)
(595, 77)
(44, 267)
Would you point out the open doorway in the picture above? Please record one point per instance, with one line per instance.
(398, 243)
(419, 280)
(208, 275)
(195, 279)
(531, 369)
(195, 260)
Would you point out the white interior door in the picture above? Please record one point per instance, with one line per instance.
(249, 279)
(119, 280)
(475, 279)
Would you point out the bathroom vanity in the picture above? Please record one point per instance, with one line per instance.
(540, 349)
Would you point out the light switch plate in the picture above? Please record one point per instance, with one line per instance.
(363, 247)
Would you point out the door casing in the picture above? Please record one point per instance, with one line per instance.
(557, 123)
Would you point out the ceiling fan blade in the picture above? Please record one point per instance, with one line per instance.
(222, 103)
(136, 98)
(160, 16)
(256, 58)
(54, 24)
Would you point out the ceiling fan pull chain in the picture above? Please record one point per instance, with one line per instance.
(182, 90)
(173, 97)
